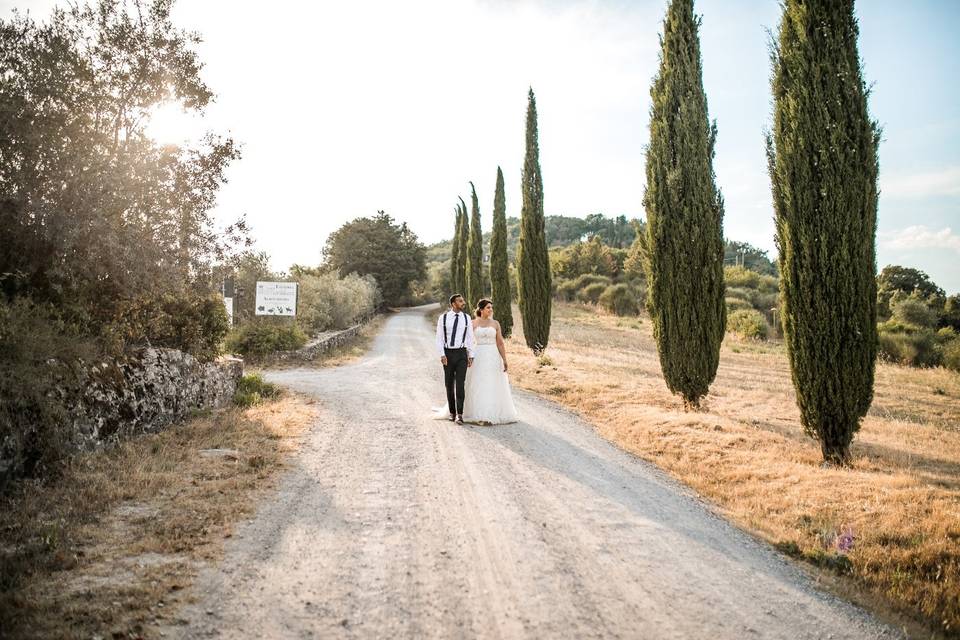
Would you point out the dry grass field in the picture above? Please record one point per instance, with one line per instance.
(107, 548)
(889, 526)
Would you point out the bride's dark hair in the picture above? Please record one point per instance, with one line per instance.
(481, 305)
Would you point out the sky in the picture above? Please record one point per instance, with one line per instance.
(346, 108)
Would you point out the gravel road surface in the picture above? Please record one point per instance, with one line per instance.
(391, 524)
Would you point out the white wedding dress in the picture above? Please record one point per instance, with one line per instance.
(487, 396)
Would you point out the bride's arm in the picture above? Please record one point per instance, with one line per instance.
(501, 347)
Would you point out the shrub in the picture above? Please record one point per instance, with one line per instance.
(915, 312)
(620, 300)
(328, 301)
(264, 337)
(592, 292)
(741, 294)
(566, 290)
(38, 351)
(252, 389)
(740, 277)
(946, 334)
(192, 322)
(748, 323)
(736, 304)
(918, 348)
(951, 355)
(582, 282)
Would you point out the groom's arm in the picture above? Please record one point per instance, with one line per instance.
(440, 350)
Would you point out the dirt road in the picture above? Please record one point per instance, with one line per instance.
(394, 525)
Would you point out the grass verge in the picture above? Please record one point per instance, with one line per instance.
(105, 549)
(885, 532)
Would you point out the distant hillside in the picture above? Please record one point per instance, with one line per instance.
(615, 232)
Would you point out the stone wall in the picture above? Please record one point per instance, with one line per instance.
(146, 392)
(321, 345)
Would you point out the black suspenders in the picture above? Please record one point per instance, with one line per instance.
(445, 341)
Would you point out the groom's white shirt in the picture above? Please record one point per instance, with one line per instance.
(457, 341)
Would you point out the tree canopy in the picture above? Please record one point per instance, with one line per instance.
(380, 247)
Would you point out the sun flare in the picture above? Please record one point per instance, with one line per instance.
(168, 123)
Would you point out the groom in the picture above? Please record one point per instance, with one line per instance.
(455, 348)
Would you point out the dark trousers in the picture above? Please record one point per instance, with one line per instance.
(454, 376)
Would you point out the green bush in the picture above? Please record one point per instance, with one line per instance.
(748, 323)
(265, 336)
(740, 277)
(946, 334)
(191, 322)
(951, 355)
(38, 354)
(619, 300)
(592, 292)
(329, 302)
(918, 348)
(566, 290)
(736, 304)
(252, 389)
(587, 279)
(915, 312)
(741, 294)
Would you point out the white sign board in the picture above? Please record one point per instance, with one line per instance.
(276, 299)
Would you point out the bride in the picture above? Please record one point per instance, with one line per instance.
(487, 398)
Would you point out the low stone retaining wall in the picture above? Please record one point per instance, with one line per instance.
(321, 345)
(146, 392)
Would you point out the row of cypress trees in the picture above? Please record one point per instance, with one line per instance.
(822, 159)
(533, 263)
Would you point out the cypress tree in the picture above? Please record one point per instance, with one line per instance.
(823, 165)
(684, 258)
(499, 263)
(533, 262)
(464, 237)
(475, 286)
(455, 253)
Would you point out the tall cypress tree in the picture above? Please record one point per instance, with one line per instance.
(822, 159)
(474, 253)
(533, 262)
(464, 237)
(455, 253)
(684, 260)
(499, 263)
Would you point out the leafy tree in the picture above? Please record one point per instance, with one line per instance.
(950, 317)
(475, 284)
(748, 256)
(499, 263)
(533, 263)
(895, 279)
(577, 259)
(378, 246)
(684, 215)
(823, 166)
(93, 211)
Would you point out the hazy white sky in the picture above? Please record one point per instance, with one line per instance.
(344, 108)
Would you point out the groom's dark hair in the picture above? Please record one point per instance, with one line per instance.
(454, 297)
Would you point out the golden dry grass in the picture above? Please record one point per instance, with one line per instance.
(106, 548)
(746, 452)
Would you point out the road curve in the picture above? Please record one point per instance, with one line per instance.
(391, 524)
